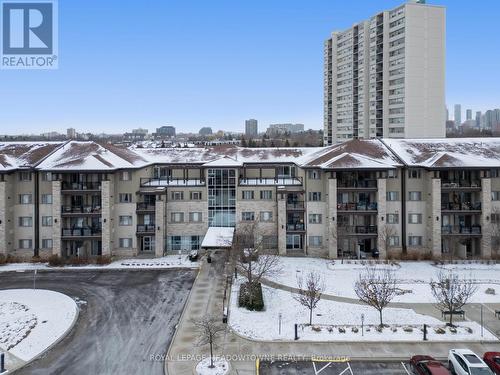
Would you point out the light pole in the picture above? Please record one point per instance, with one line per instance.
(279, 323)
(34, 280)
(362, 324)
(481, 320)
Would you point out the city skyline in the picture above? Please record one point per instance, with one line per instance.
(243, 74)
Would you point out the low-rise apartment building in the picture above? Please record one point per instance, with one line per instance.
(431, 197)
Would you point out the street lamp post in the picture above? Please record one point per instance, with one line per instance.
(362, 324)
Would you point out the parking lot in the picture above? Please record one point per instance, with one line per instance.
(334, 368)
(127, 319)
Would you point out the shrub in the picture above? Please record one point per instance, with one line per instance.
(78, 261)
(439, 331)
(244, 297)
(341, 330)
(103, 260)
(56, 261)
(316, 328)
(355, 329)
(408, 329)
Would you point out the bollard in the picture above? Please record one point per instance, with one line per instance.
(425, 332)
(296, 335)
(2, 363)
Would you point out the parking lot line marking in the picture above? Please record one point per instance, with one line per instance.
(316, 371)
(408, 372)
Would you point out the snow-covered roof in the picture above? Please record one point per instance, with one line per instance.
(15, 155)
(225, 161)
(91, 156)
(447, 153)
(218, 237)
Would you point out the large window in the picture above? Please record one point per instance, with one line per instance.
(221, 197)
(294, 241)
(183, 243)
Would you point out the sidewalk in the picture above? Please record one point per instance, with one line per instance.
(207, 296)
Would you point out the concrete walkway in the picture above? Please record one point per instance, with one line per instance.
(207, 298)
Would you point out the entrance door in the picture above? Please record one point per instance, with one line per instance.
(148, 243)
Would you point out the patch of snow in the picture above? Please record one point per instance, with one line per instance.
(221, 367)
(33, 320)
(218, 237)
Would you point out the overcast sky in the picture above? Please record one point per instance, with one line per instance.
(127, 64)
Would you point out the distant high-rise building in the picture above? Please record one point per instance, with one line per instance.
(205, 131)
(165, 131)
(468, 114)
(447, 114)
(478, 119)
(251, 128)
(285, 128)
(458, 115)
(71, 133)
(385, 76)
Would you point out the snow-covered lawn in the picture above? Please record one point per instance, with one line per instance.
(264, 325)
(221, 367)
(412, 276)
(169, 261)
(32, 320)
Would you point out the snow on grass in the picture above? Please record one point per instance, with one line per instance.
(169, 261)
(221, 367)
(412, 276)
(264, 325)
(32, 320)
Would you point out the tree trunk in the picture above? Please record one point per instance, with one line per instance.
(380, 314)
(211, 355)
(310, 316)
(451, 318)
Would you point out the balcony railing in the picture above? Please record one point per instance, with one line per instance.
(146, 228)
(80, 209)
(461, 206)
(372, 206)
(166, 181)
(81, 232)
(450, 184)
(461, 229)
(295, 227)
(81, 186)
(144, 206)
(295, 206)
(360, 229)
(286, 181)
(369, 184)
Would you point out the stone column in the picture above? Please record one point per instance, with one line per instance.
(383, 233)
(281, 223)
(486, 218)
(107, 197)
(331, 228)
(3, 218)
(160, 228)
(435, 220)
(56, 218)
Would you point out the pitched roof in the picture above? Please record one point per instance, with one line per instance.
(15, 155)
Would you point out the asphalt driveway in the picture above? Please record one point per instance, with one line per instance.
(126, 321)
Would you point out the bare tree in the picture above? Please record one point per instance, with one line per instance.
(310, 294)
(494, 229)
(384, 234)
(452, 292)
(208, 329)
(376, 288)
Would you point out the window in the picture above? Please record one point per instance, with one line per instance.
(46, 198)
(414, 173)
(125, 220)
(314, 175)
(315, 196)
(266, 216)
(25, 221)
(177, 217)
(195, 195)
(315, 218)
(125, 198)
(177, 195)
(24, 176)
(46, 176)
(393, 240)
(293, 241)
(46, 221)
(125, 176)
(247, 194)
(415, 240)
(184, 243)
(195, 217)
(392, 218)
(392, 196)
(415, 196)
(315, 241)
(25, 244)
(392, 173)
(495, 195)
(247, 216)
(414, 218)
(125, 243)
(269, 242)
(495, 218)
(266, 194)
(46, 243)
(25, 199)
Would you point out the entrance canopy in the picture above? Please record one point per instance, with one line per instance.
(218, 237)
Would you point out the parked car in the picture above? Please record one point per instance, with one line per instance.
(492, 359)
(193, 255)
(466, 362)
(375, 253)
(426, 365)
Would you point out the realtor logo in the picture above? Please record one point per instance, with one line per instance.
(29, 35)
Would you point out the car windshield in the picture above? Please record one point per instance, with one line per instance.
(480, 371)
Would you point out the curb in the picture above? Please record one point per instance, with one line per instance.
(78, 269)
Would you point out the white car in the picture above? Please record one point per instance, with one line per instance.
(466, 362)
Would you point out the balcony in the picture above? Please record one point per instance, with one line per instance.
(357, 206)
(80, 210)
(295, 227)
(145, 228)
(461, 229)
(461, 184)
(360, 229)
(357, 184)
(145, 207)
(291, 206)
(81, 232)
(167, 181)
(285, 181)
(461, 206)
(81, 186)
